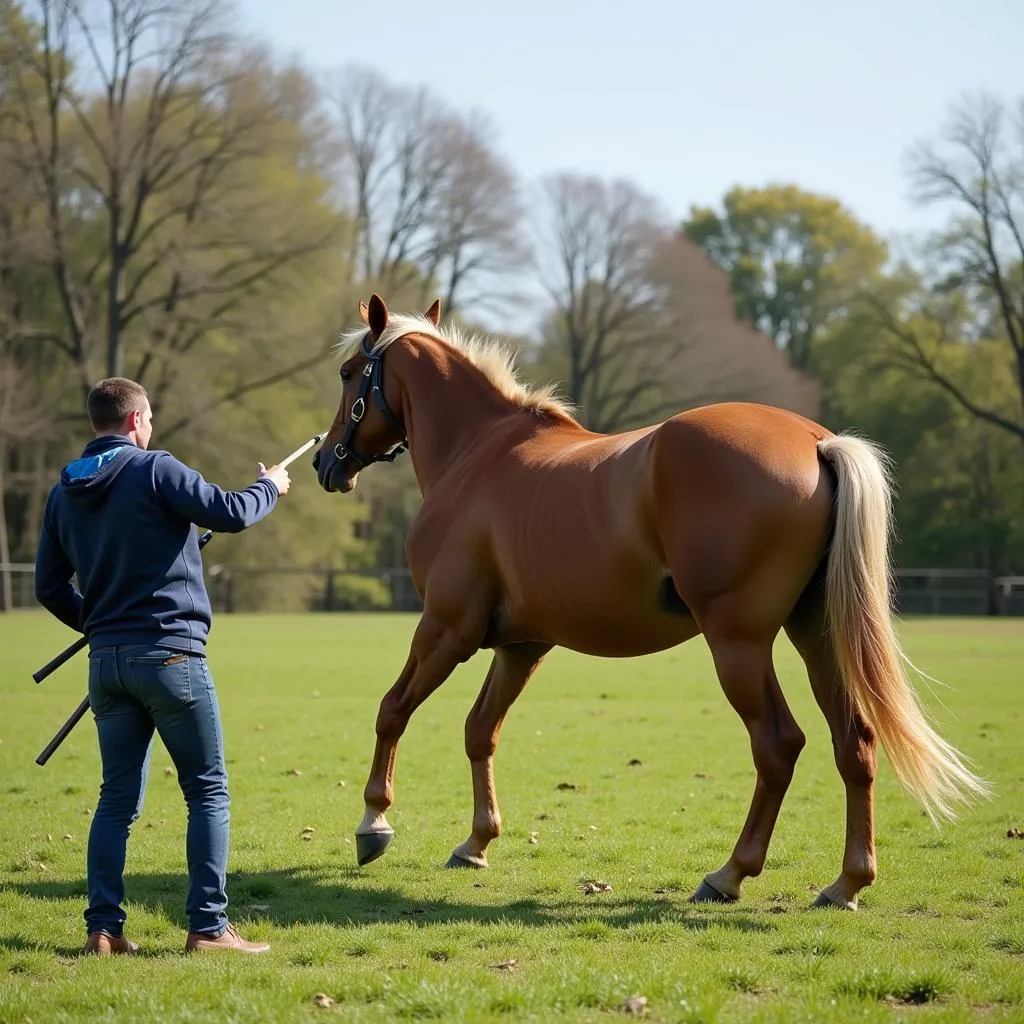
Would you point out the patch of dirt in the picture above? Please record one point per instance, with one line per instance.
(636, 1005)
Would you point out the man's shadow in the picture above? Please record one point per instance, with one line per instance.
(319, 895)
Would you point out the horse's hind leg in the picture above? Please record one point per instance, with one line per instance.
(853, 744)
(509, 673)
(748, 679)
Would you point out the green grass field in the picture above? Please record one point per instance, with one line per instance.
(940, 936)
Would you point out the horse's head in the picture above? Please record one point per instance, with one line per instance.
(367, 428)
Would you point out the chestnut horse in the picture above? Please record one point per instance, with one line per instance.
(733, 521)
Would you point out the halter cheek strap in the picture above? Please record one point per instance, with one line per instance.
(372, 383)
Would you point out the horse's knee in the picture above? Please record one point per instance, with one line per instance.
(776, 751)
(392, 717)
(793, 742)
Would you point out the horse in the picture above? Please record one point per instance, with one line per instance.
(732, 521)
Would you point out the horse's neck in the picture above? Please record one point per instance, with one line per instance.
(448, 406)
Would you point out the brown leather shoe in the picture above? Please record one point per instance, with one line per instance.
(105, 944)
(229, 939)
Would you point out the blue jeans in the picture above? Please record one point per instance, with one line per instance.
(132, 690)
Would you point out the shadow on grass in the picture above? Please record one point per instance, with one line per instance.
(17, 943)
(322, 896)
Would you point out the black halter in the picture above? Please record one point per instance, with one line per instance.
(372, 380)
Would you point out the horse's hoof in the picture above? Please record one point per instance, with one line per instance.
(371, 845)
(456, 861)
(709, 894)
(826, 901)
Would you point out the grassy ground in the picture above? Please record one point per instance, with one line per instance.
(940, 936)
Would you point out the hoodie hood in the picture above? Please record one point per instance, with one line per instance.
(89, 477)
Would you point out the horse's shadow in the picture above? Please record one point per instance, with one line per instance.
(315, 895)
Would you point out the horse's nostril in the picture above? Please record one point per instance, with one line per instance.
(316, 460)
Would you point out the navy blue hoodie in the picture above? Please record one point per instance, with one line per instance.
(121, 518)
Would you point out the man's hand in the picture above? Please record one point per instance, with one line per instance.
(282, 481)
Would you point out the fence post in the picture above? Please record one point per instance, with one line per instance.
(329, 591)
(6, 580)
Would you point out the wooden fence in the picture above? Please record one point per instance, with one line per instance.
(917, 591)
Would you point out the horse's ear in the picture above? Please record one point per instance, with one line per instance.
(376, 316)
(434, 313)
(363, 313)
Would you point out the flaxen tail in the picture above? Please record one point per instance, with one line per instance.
(871, 661)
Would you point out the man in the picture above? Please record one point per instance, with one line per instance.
(122, 519)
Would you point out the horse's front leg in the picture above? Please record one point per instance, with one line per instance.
(437, 648)
(509, 673)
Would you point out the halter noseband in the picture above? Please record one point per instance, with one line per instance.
(372, 381)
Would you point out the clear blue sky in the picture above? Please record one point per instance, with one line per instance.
(686, 99)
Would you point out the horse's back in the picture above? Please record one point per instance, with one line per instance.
(742, 445)
(743, 421)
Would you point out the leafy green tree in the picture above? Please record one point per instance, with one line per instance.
(795, 260)
(178, 174)
(166, 212)
(960, 483)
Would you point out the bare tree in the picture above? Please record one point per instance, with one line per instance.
(595, 251)
(436, 209)
(475, 234)
(152, 138)
(977, 168)
(644, 323)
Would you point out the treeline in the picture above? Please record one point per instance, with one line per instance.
(181, 206)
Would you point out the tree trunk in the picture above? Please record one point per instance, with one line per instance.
(38, 490)
(115, 295)
(6, 586)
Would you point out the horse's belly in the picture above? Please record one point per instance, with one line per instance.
(626, 640)
(616, 626)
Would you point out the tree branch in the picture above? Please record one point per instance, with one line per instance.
(925, 365)
(249, 387)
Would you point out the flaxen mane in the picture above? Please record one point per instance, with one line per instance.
(494, 359)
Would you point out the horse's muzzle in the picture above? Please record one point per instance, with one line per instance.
(334, 475)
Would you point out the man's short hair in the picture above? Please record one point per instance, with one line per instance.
(113, 400)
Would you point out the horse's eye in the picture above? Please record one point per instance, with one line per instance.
(345, 375)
